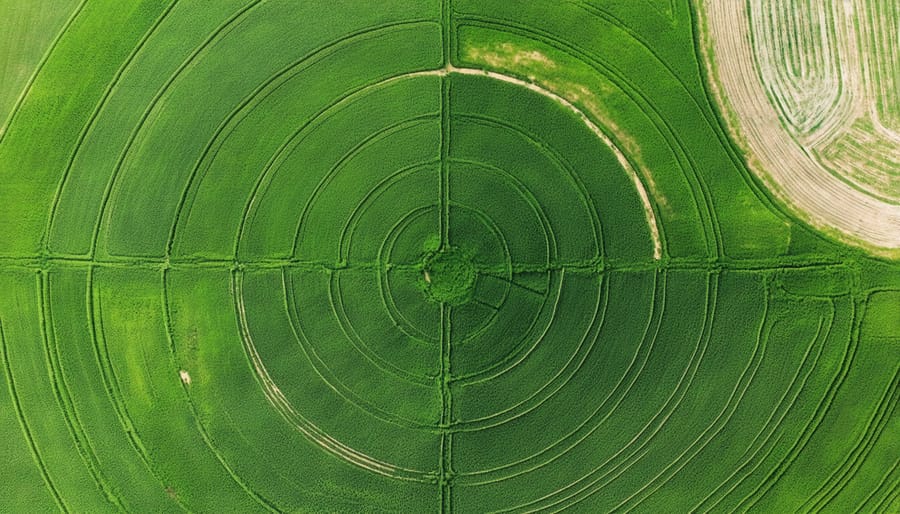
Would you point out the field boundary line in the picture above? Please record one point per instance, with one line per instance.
(446, 468)
(37, 262)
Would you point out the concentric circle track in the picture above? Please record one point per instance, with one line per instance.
(450, 255)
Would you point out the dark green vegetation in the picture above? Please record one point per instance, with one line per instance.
(216, 219)
(448, 276)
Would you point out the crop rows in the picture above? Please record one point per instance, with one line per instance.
(826, 89)
(231, 302)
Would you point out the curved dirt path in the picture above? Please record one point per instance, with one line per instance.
(647, 206)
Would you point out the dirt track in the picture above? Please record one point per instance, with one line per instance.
(652, 222)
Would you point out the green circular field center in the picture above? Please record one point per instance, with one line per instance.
(449, 276)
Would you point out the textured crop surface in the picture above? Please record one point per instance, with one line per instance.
(814, 91)
(435, 256)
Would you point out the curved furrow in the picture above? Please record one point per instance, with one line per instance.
(585, 429)
(21, 99)
(111, 87)
(291, 415)
(220, 32)
(743, 471)
(26, 431)
(198, 423)
(636, 448)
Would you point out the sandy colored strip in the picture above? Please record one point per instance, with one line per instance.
(788, 168)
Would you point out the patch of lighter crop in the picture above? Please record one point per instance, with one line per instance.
(583, 95)
(507, 55)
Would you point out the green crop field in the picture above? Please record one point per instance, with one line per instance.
(416, 256)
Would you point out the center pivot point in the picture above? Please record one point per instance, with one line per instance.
(448, 276)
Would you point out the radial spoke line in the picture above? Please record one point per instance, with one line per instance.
(188, 263)
(446, 465)
(445, 162)
(446, 469)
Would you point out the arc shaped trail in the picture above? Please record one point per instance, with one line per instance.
(287, 410)
(647, 206)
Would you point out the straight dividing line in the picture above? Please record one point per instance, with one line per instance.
(446, 33)
(445, 162)
(446, 493)
(446, 469)
(36, 262)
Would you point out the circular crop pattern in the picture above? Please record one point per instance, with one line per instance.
(421, 256)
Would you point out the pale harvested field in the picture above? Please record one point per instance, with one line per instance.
(812, 91)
